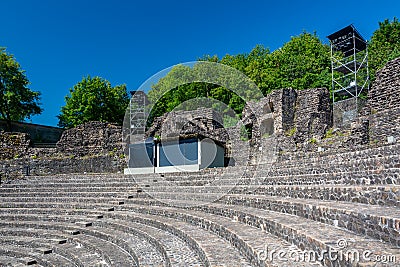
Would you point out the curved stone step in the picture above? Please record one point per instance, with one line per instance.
(40, 245)
(114, 228)
(367, 177)
(68, 247)
(175, 251)
(97, 207)
(28, 256)
(117, 186)
(112, 252)
(297, 230)
(91, 237)
(376, 196)
(79, 215)
(59, 199)
(217, 249)
(382, 223)
(379, 222)
(135, 240)
(12, 262)
(102, 233)
(251, 210)
(52, 193)
(248, 240)
(163, 240)
(384, 195)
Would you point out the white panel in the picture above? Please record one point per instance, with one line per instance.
(138, 170)
(212, 155)
(180, 168)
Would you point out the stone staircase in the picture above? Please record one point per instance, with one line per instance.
(323, 209)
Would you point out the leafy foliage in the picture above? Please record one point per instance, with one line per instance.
(94, 99)
(301, 63)
(17, 101)
(384, 45)
(184, 83)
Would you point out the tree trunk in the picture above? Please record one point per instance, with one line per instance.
(8, 125)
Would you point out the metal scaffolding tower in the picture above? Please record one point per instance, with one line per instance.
(350, 75)
(137, 112)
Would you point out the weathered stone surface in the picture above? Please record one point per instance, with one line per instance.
(297, 121)
(90, 147)
(292, 117)
(307, 200)
(13, 145)
(278, 106)
(39, 134)
(201, 121)
(385, 91)
(346, 111)
(91, 138)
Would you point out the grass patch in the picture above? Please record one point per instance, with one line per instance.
(291, 132)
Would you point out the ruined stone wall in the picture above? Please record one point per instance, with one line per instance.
(237, 150)
(385, 90)
(91, 138)
(346, 111)
(37, 133)
(384, 124)
(13, 145)
(90, 147)
(204, 121)
(313, 114)
(384, 103)
(278, 106)
(305, 122)
(300, 121)
(297, 117)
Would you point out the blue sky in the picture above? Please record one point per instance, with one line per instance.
(126, 42)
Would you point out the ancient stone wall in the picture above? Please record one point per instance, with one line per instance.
(300, 121)
(91, 138)
(313, 114)
(384, 104)
(296, 116)
(13, 145)
(53, 165)
(90, 147)
(384, 125)
(279, 106)
(37, 133)
(203, 121)
(385, 90)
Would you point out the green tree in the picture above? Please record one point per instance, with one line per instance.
(94, 99)
(303, 62)
(384, 44)
(17, 101)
